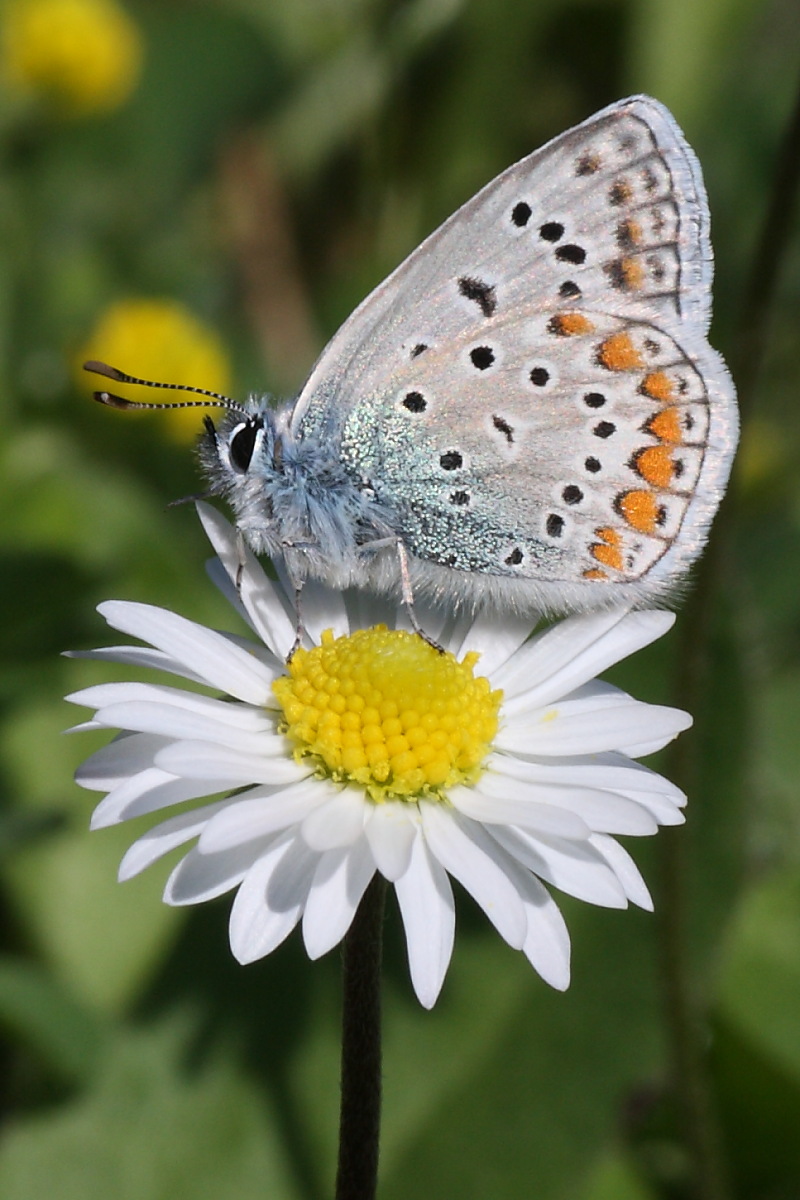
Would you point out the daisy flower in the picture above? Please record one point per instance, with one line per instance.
(501, 762)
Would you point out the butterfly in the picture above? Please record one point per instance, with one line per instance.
(527, 411)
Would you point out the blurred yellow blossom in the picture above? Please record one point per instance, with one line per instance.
(163, 341)
(84, 55)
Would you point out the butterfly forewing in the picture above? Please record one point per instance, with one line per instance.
(531, 392)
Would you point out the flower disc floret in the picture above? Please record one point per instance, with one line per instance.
(384, 710)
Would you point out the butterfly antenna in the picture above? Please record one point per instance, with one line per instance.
(215, 399)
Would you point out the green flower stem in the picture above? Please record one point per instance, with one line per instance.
(360, 1113)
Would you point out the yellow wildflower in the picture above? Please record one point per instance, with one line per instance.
(84, 55)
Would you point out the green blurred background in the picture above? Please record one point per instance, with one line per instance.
(203, 191)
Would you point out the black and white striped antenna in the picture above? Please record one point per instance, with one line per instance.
(213, 399)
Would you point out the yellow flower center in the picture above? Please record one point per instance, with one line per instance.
(384, 710)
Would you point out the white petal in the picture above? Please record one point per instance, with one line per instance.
(162, 838)
(609, 770)
(150, 791)
(547, 940)
(337, 822)
(256, 815)
(390, 834)
(606, 812)
(664, 809)
(599, 808)
(365, 609)
(241, 716)
(597, 811)
(261, 598)
(200, 877)
(496, 641)
(224, 584)
(597, 693)
(428, 911)
(271, 898)
(568, 654)
(138, 656)
(562, 731)
(128, 754)
(625, 870)
(200, 760)
(340, 880)
(577, 868)
(321, 608)
(467, 852)
(221, 664)
(167, 720)
(653, 745)
(486, 802)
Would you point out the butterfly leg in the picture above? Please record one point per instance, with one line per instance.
(406, 588)
(300, 628)
(241, 559)
(408, 595)
(292, 554)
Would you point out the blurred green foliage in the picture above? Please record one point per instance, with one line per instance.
(272, 163)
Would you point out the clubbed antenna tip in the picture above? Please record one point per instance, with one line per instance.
(112, 401)
(100, 368)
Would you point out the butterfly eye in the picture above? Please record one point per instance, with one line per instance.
(242, 444)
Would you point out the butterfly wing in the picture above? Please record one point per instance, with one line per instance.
(531, 392)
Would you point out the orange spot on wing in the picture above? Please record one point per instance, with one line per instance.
(589, 164)
(658, 386)
(640, 509)
(608, 555)
(618, 353)
(655, 465)
(632, 273)
(608, 550)
(629, 233)
(569, 324)
(621, 193)
(666, 425)
(594, 573)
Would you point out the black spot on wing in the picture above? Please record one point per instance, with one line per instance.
(551, 231)
(571, 254)
(482, 357)
(569, 290)
(480, 292)
(521, 214)
(502, 425)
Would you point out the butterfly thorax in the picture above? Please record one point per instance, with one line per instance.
(293, 497)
